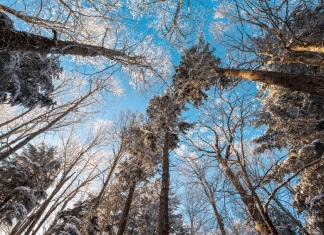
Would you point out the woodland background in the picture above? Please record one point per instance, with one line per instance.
(148, 117)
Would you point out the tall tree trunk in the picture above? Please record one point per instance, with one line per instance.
(128, 203)
(40, 224)
(22, 41)
(247, 199)
(298, 82)
(163, 228)
(103, 189)
(54, 222)
(211, 198)
(256, 198)
(312, 61)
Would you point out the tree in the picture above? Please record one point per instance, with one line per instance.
(26, 76)
(289, 32)
(141, 166)
(197, 212)
(25, 178)
(82, 157)
(114, 40)
(199, 70)
(226, 121)
(53, 122)
(144, 216)
(72, 219)
(285, 37)
(164, 124)
(203, 181)
(308, 195)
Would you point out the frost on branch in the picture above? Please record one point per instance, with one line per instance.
(142, 159)
(309, 196)
(26, 77)
(163, 113)
(72, 220)
(282, 222)
(24, 180)
(193, 76)
(292, 119)
(139, 143)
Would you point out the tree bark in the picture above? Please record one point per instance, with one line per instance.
(123, 220)
(13, 40)
(103, 189)
(298, 82)
(307, 48)
(211, 198)
(52, 209)
(163, 228)
(217, 215)
(312, 61)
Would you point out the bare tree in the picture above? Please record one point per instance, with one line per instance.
(226, 119)
(197, 171)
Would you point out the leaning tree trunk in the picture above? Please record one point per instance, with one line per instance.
(299, 82)
(247, 199)
(93, 209)
(293, 219)
(123, 220)
(13, 40)
(163, 228)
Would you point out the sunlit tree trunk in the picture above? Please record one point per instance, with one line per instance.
(22, 41)
(299, 82)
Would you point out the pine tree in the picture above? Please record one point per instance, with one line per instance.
(25, 177)
(72, 220)
(165, 124)
(27, 77)
(139, 167)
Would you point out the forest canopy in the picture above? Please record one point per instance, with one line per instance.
(158, 117)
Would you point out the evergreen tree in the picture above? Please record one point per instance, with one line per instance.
(24, 180)
(165, 123)
(144, 217)
(72, 220)
(27, 77)
(140, 167)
